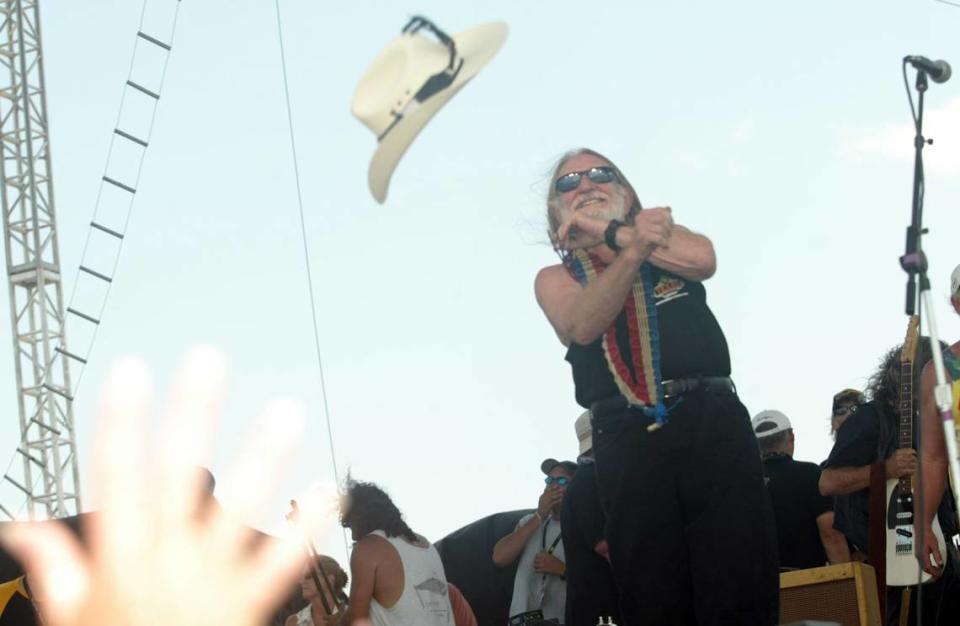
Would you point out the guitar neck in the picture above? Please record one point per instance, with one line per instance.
(906, 413)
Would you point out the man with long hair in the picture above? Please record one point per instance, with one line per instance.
(872, 434)
(690, 532)
(397, 575)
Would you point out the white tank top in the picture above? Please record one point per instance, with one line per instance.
(305, 616)
(424, 601)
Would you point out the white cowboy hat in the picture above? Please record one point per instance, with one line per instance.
(408, 83)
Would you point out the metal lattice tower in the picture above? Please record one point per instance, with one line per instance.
(48, 474)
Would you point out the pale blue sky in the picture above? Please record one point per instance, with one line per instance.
(778, 130)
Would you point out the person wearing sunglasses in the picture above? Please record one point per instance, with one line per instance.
(845, 403)
(539, 587)
(688, 525)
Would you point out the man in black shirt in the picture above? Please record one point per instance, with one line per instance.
(868, 435)
(689, 527)
(805, 533)
(591, 590)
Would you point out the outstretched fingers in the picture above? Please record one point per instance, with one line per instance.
(190, 420)
(57, 570)
(119, 528)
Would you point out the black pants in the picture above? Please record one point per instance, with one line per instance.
(691, 533)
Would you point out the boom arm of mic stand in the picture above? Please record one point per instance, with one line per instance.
(913, 261)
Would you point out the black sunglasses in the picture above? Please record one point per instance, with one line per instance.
(560, 480)
(599, 174)
(844, 409)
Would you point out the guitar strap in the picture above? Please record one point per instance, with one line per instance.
(877, 529)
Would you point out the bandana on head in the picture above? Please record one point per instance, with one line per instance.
(643, 386)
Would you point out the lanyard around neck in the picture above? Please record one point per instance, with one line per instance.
(543, 539)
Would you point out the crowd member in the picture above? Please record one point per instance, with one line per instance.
(936, 467)
(149, 558)
(868, 435)
(845, 402)
(539, 587)
(934, 449)
(805, 534)
(591, 590)
(332, 594)
(398, 577)
(651, 362)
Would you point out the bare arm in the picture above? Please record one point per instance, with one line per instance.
(687, 254)
(935, 470)
(510, 546)
(834, 543)
(363, 576)
(581, 314)
(840, 481)
(934, 448)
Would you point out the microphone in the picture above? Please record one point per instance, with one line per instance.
(939, 71)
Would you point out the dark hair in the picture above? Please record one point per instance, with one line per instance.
(884, 384)
(367, 507)
(552, 220)
(330, 567)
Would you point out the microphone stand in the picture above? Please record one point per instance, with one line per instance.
(914, 262)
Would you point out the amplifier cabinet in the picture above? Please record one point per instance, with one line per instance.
(845, 593)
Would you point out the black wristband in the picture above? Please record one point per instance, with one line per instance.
(610, 234)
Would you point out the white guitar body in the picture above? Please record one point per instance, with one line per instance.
(903, 569)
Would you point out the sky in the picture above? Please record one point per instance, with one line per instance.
(781, 131)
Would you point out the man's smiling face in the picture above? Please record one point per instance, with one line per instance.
(604, 200)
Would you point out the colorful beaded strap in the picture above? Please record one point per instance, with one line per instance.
(643, 386)
(952, 363)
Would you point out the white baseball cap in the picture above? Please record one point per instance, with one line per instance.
(767, 423)
(584, 432)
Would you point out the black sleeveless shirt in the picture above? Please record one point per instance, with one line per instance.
(691, 341)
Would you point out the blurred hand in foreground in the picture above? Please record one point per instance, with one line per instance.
(152, 555)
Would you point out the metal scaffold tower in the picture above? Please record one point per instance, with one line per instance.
(47, 472)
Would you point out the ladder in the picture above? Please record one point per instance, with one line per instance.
(46, 480)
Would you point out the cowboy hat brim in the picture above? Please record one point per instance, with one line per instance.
(476, 47)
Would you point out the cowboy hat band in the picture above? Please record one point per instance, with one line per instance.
(435, 83)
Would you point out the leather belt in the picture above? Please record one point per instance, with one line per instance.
(716, 384)
(671, 389)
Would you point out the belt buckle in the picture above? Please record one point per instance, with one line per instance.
(682, 385)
